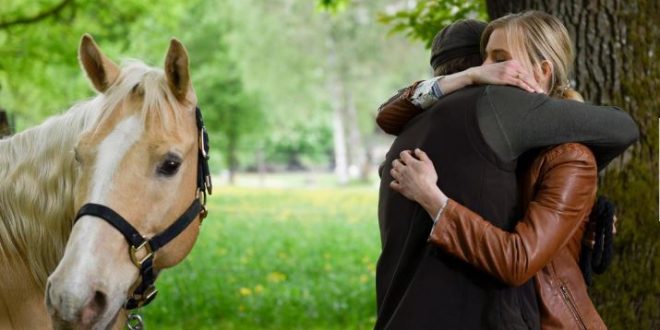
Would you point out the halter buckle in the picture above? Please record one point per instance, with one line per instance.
(203, 213)
(133, 253)
(138, 300)
(202, 143)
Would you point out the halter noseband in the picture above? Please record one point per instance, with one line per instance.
(144, 289)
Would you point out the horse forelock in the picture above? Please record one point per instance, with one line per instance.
(144, 90)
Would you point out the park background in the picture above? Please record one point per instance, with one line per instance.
(289, 90)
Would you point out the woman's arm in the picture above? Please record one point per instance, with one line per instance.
(564, 196)
(396, 112)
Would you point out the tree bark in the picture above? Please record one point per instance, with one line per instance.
(616, 50)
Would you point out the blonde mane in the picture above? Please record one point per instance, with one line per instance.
(37, 175)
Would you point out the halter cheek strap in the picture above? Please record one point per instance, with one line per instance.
(144, 290)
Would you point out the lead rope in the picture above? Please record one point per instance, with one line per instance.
(134, 320)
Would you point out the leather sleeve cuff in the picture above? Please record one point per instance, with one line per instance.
(442, 228)
(394, 114)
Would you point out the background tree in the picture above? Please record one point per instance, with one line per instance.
(616, 43)
(314, 70)
(232, 114)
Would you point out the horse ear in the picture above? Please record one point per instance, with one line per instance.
(176, 69)
(101, 71)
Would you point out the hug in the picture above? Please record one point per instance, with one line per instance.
(487, 191)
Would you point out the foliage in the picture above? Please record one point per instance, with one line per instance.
(333, 6)
(284, 49)
(232, 114)
(424, 19)
(313, 139)
(39, 73)
(41, 56)
(276, 259)
(257, 66)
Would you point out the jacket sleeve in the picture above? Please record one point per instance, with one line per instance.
(523, 121)
(396, 112)
(564, 196)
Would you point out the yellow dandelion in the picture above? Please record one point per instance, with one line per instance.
(364, 279)
(258, 289)
(276, 277)
(245, 292)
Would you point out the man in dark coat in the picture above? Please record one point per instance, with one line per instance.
(419, 286)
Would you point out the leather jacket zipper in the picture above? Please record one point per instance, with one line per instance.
(571, 306)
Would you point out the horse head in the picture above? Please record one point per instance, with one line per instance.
(137, 175)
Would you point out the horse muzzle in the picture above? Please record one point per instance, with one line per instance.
(87, 289)
(77, 308)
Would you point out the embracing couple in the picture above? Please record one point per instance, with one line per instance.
(487, 191)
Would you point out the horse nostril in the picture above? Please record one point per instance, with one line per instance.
(94, 308)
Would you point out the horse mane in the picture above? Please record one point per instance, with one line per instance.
(37, 175)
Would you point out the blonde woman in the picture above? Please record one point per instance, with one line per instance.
(558, 184)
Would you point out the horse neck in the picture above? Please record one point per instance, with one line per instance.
(36, 190)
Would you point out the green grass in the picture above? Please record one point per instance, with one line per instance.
(276, 259)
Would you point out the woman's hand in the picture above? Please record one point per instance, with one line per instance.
(415, 178)
(504, 73)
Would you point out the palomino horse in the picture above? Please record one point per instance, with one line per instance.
(96, 191)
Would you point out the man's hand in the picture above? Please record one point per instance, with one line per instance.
(504, 73)
(415, 178)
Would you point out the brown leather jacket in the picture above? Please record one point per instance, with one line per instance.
(558, 191)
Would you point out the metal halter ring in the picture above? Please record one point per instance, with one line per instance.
(134, 322)
(144, 298)
(133, 253)
(201, 196)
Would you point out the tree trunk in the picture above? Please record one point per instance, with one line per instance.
(355, 143)
(616, 48)
(338, 127)
(5, 128)
(232, 158)
(260, 156)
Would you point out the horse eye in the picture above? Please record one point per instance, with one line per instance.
(169, 166)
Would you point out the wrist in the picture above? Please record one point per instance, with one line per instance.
(434, 201)
(469, 76)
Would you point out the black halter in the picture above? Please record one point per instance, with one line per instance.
(144, 289)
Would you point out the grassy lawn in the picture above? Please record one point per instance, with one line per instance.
(276, 259)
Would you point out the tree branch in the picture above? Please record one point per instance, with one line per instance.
(38, 17)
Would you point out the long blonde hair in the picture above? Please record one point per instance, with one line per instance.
(534, 37)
